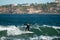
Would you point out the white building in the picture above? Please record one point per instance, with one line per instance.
(57, 1)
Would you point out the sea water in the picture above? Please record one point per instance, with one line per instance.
(18, 19)
(14, 24)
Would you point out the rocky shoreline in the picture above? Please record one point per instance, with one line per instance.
(49, 8)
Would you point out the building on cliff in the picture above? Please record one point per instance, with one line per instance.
(57, 1)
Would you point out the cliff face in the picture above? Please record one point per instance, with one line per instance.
(30, 9)
(19, 10)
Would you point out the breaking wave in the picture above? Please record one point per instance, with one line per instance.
(13, 30)
(42, 37)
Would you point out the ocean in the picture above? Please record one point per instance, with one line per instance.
(40, 19)
(43, 26)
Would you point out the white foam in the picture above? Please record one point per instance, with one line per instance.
(12, 30)
(42, 37)
(3, 38)
(35, 37)
(46, 37)
(2, 28)
(46, 26)
(56, 27)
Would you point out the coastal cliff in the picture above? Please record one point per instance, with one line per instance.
(30, 8)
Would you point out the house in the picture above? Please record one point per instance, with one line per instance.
(57, 1)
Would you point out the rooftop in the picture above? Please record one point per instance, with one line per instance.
(57, 1)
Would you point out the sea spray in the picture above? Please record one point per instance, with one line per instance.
(13, 30)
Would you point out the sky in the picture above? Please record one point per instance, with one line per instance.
(4, 2)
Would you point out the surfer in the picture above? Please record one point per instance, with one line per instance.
(28, 27)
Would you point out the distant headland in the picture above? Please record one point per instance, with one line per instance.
(33, 8)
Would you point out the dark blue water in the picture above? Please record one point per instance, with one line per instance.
(40, 19)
